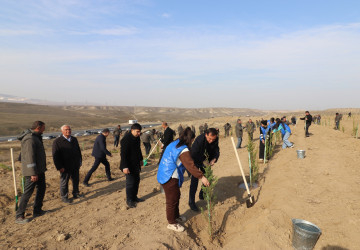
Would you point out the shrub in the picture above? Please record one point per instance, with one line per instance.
(253, 164)
(209, 197)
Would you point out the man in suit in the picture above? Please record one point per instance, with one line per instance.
(207, 142)
(67, 159)
(100, 152)
(131, 162)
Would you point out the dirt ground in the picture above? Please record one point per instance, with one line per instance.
(322, 188)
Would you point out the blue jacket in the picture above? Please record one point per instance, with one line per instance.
(168, 165)
(264, 132)
(281, 128)
(271, 125)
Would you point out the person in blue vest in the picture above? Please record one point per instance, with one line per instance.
(271, 123)
(285, 132)
(264, 131)
(175, 160)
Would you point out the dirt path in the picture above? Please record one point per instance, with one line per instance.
(322, 188)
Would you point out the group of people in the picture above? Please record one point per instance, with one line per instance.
(268, 127)
(176, 156)
(67, 159)
(186, 153)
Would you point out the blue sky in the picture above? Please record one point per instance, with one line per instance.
(254, 54)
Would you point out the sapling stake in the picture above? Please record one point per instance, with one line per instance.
(13, 171)
(250, 169)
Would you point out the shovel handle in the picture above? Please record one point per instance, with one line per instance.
(241, 169)
(13, 169)
(152, 150)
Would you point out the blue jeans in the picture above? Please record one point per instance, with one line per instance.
(286, 142)
(239, 142)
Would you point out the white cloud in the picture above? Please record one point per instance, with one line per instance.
(165, 15)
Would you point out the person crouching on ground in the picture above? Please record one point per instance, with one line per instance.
(170, 175)
(131, 162)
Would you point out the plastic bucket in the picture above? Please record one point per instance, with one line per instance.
(305, 234)
(300, 154)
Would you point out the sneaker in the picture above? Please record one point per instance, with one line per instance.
(86, 184)
(291, 146)
(40, 213)
(21, 220)
(176, 227)
(261, 160)
(66, 200)
(181, 219)
(131, 204)
(111, 179)
(193, 207)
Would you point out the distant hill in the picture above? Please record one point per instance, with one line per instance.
(19, 116)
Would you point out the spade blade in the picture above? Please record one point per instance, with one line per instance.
(249, 203)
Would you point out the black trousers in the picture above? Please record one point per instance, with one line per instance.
(307, 129)
(116, 140)
(261, 150)
(64, 182)
(97, 162)
(29, 187)
(147, 146)
(132, 186)
(193, 187)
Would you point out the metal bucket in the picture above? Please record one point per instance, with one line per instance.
(300, 154)
(305, 234)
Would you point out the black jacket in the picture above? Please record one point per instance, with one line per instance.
(99, 149)
(309, 119)
(131, 155)
(201, 145)
(168, 136)
(66, 154)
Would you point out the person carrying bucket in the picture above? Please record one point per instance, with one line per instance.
(175, 160)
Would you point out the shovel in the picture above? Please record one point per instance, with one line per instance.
(13, 171)
(145, 161)
(250, 201)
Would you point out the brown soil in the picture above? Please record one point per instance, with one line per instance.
(322, 188)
